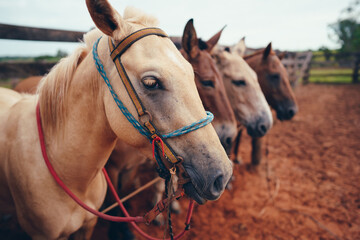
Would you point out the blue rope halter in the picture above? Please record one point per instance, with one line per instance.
(189, 128)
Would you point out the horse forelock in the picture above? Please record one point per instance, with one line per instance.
(136, 16)
(132, 20)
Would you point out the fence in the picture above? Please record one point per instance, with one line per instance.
(297, 63)
(298, 66)
(24, 69)
(348, 64)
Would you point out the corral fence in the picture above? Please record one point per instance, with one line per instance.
(16, 69)
(298, 64)
(341, 60)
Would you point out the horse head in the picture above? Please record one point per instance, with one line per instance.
(274, 82)
(209, 83)
(164, 82)
(243, 89)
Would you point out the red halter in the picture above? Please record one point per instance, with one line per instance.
(131, 220)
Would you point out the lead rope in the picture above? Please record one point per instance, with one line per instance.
(169, 191)
(127, 218)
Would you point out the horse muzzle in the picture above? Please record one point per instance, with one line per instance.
(286, 113)
(260, 127)
(202, 190)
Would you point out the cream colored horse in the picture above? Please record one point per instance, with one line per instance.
(244, 92)
(82, 123)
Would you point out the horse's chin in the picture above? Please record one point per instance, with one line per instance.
(191, 192)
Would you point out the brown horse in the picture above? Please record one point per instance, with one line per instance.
(81, 124)
(28, 85)
(274, 82)
(209, 82)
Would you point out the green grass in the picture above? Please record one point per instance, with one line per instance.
(44, 58)
(331, 75)
(6, 83)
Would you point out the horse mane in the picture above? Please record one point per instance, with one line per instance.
(53, 88)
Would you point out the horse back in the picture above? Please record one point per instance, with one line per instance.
(28, 85)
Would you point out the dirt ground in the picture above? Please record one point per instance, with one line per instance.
(308, 187)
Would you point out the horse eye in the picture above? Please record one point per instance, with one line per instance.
(207, 83)
(239, 83)
(151, 82)
(274, 78)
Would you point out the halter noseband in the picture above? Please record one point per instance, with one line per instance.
(146, 127)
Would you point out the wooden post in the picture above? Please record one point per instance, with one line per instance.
(355, 76)
(38, 34)
(306, 68)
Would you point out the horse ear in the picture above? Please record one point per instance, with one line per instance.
(103, 15)
(267, 51)
(240, 47)
(213, 40)
(190, 40)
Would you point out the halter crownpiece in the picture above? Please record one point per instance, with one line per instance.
(147, 128)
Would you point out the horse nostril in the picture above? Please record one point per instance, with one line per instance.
(262, 128)
(291, 113)
(228, 140)
(218, 186)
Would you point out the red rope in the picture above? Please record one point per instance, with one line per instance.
(153, 145)
(132, 220)
(137, 228)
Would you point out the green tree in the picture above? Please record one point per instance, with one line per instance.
(60, 53)
(346, 31)
(326, 51)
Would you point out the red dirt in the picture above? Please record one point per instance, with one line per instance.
(307, 187)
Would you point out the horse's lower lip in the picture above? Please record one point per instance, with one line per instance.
(191, 192)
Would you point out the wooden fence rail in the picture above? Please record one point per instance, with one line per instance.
(339, 60)
(297, 63)
(38, 34)
(25, 69)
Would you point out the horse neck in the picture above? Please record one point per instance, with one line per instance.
(86, 140)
